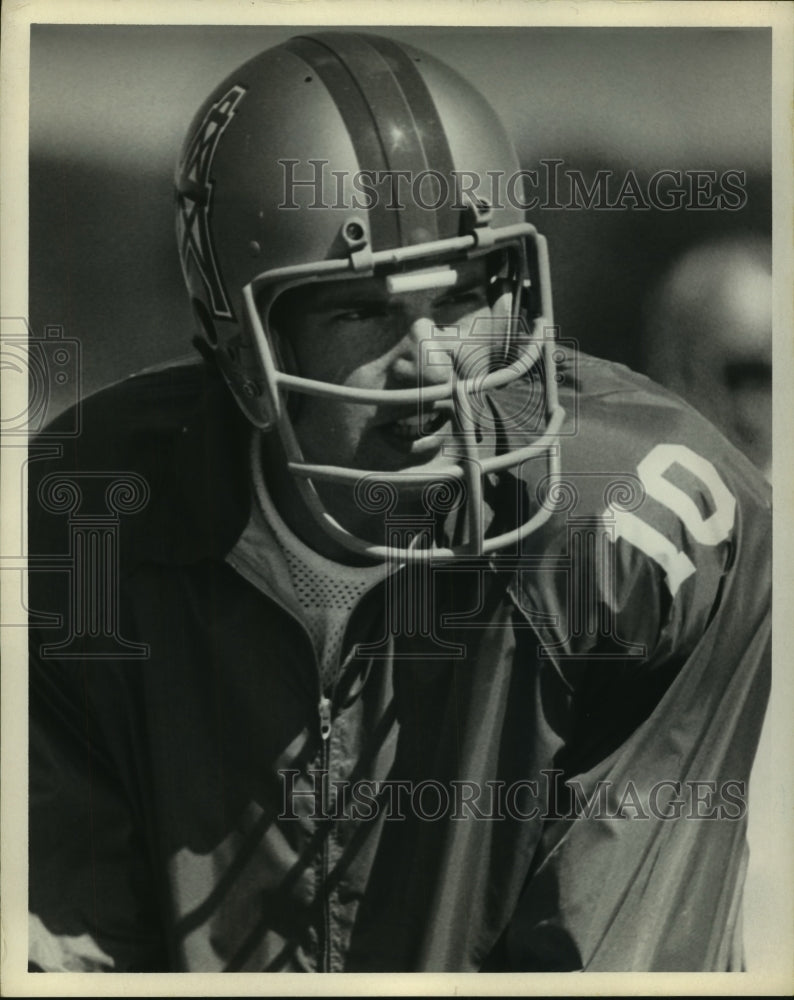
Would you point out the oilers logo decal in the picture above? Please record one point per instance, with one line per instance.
(195, 200)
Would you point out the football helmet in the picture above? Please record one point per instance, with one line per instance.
(343, 156)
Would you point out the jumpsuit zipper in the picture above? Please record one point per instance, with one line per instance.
(324, 710)
(325, 733)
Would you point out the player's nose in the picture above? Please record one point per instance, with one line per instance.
(423, 357)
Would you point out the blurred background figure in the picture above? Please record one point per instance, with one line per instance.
(709, 338)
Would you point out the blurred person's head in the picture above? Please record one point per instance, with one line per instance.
(709, 338)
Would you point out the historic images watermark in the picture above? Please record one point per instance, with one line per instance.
(553, 185)
(312, 795)
(89, 505)
(35, 370)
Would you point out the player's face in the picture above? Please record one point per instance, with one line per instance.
(360, 334)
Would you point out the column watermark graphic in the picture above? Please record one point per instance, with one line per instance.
(85, 509)
(93, 504)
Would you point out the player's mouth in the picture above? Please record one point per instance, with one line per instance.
(418, 432)
(414, 427)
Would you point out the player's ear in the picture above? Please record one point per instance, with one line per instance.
(278, 320)
(278, 328)
(283, 351)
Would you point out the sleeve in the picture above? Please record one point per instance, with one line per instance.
(98, 892)
(91, 897)
(653, 612)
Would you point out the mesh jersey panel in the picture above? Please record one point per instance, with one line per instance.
(327, 591)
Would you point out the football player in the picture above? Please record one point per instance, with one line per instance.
(413, 639)
(711, 341)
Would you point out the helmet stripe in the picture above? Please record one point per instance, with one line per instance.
(358, 119)
(429, 126)
(393, 125)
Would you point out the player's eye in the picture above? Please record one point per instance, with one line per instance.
(462, 301)
(360, 314)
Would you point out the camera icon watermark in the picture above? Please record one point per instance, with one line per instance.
(478, 354)
(41, 378)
